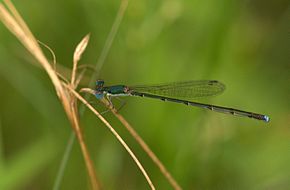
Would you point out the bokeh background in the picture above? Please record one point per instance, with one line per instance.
(245, 44)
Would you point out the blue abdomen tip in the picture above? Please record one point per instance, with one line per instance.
(266, 118)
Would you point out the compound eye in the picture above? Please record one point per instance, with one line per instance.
(100, 83)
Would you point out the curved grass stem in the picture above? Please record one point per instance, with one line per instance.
(13, 21)
(114, 133)
(140, 141)
(145, 147)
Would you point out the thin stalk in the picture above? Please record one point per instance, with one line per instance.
(100, 63)
(17, 26)
(114, 133)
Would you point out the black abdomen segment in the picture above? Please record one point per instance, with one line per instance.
(220, 109)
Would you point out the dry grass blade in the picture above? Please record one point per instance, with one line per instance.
(146, 148)
(19, 19)
(51, 52)
(18, 27)
(77, 56)
(105, 50)
(32, 46)
(112, 130)
(89, 163)
(140, 141)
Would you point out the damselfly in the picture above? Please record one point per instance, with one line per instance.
(178, 92)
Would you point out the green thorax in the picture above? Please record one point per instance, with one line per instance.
(116, 89)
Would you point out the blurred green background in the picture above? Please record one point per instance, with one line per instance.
(245, 44)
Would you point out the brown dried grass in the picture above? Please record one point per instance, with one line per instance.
(13, 21)
(68, 96)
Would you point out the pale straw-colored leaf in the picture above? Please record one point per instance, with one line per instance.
(18, 27)
(77, 56)
(88, 90)
(140, 141)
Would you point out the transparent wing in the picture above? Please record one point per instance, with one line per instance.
(185, 89)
